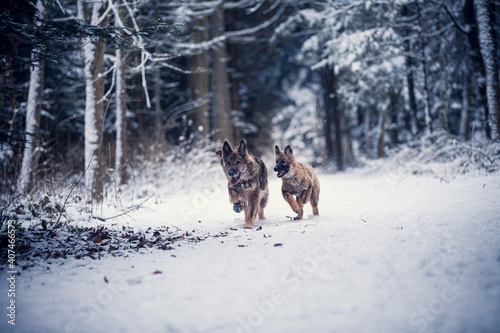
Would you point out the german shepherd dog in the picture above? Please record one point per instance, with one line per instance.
(247, 181)
(297, 179)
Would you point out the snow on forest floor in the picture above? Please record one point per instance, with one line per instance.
(387, 254)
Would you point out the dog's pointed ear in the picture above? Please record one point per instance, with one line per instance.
(226, 149)
(242, 149)
(277, 150)
(289, 152)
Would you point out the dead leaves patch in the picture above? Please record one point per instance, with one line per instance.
(96, 242)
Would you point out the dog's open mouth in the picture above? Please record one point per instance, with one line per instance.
(281, 173)
(235, 180)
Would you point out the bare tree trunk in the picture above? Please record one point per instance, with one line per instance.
(32, 129)
(443, 110)
(337, 123)
(200, 80)
(222, 102)
(327, 118)
(138, 101)
(413, 125)
(383, 128)
(466, 113)
(121, 110)
(31, 153)
(239, 115)
(368, 133)
(427, 112)
(395, 117)
(159, 135)
(427, 103)
(412, 100)
(490, 65)
(158, 111)
(94, 66)
(475, 56)
(332, 120)
(99, 113)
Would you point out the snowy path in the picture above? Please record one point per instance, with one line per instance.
(387, 254)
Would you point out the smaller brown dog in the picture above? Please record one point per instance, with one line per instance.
(247, 181)
(297, 179)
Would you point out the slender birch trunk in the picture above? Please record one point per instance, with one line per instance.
(121, 109)
(93, 106)
(491, 69)
(32, 127)
(33, 109)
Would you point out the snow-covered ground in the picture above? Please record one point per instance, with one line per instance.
(387, 254)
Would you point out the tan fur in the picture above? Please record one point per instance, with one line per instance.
(300, 181)
(251, 191)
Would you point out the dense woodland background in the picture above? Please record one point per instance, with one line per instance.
(96, 87)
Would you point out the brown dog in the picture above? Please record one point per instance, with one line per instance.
(299, 180)
(247, 181)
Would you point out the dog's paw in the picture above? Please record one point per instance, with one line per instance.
(237, 207)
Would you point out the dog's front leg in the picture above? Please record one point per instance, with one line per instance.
(233, 196)
(291, 201)
(235, 200)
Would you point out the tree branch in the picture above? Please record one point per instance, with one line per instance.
(464, 30)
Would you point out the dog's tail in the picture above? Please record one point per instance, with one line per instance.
(262, 174)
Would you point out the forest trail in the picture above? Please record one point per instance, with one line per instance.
(387, 254)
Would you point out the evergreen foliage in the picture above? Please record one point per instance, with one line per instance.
(345, 80)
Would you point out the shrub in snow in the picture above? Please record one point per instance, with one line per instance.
(441, 155)
(42, 210)
(180, 170)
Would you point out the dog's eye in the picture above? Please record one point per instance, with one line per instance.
(283, 162)
(237, 162)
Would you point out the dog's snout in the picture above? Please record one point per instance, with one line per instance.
(230, 172)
